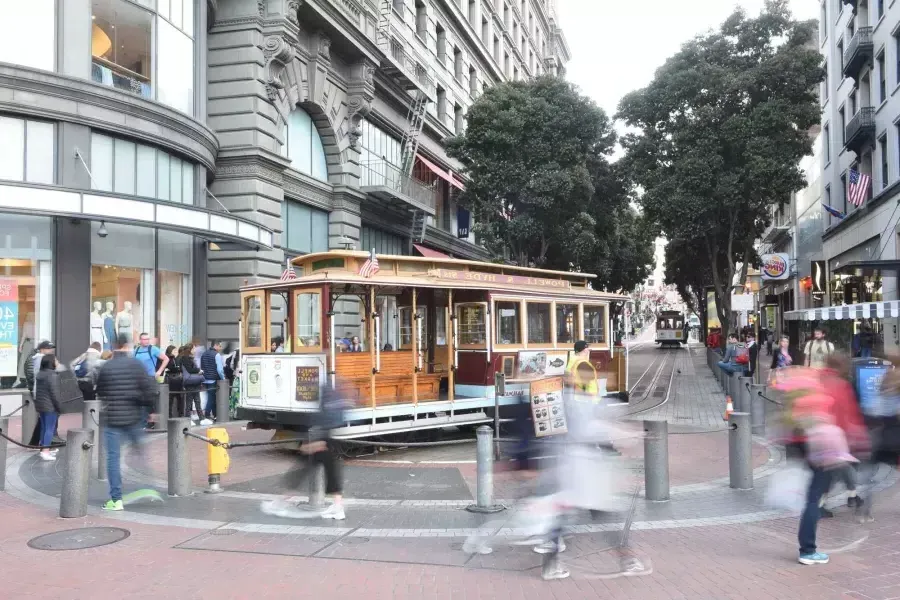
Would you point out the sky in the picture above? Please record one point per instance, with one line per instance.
(617, 45)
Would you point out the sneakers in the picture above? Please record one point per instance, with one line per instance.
(855, 501)
(550, 547)
(206, 422)
(824, 513)
(113, 505)
(816, 558)
(276, 508)
(48, 456)
(632, 567)
(335, 511)
(554, 570)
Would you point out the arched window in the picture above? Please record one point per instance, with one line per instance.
(303, 145)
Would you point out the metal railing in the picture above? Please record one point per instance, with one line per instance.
(861, 126)
(860, 43)
(413, 68)
(382, 173)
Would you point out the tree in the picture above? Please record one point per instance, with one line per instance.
(541, 188)
(720, 133)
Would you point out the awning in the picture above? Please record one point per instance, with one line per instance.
(429, 253)
(867, 310)
(445, 175)
(869, 268)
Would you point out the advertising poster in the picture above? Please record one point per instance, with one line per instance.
(307, 384)
(533, 365)
(547, 410)
(9, 327)
(254, 377)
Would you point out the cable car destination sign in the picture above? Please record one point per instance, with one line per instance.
(498, 278)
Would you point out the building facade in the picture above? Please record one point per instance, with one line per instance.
(158, 154)
(860, 44)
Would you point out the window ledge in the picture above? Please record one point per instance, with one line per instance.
(880, 106)
(896, 87)
(878, 24)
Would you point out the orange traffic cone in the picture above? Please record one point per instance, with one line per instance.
(729, 407)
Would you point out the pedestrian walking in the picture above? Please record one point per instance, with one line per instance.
(212, 367)
(781, 359)
(84, 367)
(46, 403)
(818, 349)
(752, 349)
(191, 382)
(321, 451)
(151, 358)
(881, 415)
(127, 392)
(173, 379)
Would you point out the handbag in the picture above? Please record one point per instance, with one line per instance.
(788, 487)
(190, 379)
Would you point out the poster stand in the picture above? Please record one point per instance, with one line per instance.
(547, 409)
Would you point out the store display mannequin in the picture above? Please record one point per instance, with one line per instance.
(124, 321)
(97, 334)
(109, 325)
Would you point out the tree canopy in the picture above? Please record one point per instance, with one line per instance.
(719, 134)
(541, 188)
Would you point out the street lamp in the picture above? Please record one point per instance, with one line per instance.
(754, 285)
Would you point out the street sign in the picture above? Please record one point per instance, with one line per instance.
(742, 302)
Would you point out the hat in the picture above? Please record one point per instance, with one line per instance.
(46, 345)
(580, 345)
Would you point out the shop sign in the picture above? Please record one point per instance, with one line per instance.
(9, 327)
(775, 266)
(463, 223)
(818, 278)
(742, 302)
(307, 384)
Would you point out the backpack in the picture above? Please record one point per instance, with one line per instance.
(150, 356)
(743, 356)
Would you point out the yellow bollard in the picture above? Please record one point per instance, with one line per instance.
(217, 458)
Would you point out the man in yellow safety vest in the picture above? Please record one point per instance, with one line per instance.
(581, 375)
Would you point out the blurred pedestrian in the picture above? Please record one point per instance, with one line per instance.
(752, 349)
(128, 391)
(781, 359)
(321, 451)
(213, 369)
(46, 403)
(882, 419)
(173, 378)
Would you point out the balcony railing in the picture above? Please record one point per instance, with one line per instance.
(411, 73)
(859, 51)
(353, 9)
(110, 74)
(381, 174)
(860, 130)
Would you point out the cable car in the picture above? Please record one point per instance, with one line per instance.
(415, 342)
(670, 329)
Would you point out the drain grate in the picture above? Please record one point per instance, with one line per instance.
(79, 539)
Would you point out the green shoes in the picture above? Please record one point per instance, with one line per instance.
(113, 505)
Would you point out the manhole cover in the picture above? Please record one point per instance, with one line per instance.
(223, 532)
(79, 539)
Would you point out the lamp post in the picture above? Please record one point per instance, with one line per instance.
(754, 285)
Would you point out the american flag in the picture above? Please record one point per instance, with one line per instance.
(289, 272)
(859, 187)
(370, 267)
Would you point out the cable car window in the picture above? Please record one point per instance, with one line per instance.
(538, 317)
(308, 311)
(595, 324)
(566, 323)
(471, 324)
(509, 323)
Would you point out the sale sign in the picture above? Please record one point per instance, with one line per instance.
(9, 327)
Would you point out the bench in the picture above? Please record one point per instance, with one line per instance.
(393, 384)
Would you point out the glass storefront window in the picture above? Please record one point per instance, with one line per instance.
(27, 33)
(509, 324)
(135, 169)
(595, 324)
(174, 299)
(538, 317)
(26, 292)
(27, 150)
(566, 323)
(123, 283)
(121, 35)
(123, 38)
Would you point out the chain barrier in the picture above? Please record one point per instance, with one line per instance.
(93, 418)
(775, 402)
(15, 411)
(29, 446)
(230, 445)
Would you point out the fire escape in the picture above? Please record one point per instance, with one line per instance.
(415, 77)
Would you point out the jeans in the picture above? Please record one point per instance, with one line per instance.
(47, 423)
(818, 486)
(112, 438)
(865, 353)
(731, 368)
(210, 409)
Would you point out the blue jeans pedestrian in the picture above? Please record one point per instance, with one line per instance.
(210, 409)
(112, 438)
(47, 421)
(818, 486)
(731, 368)
(865, 353)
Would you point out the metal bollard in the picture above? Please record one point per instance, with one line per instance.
(740, 452)
(4, 427)
(90, 419)
(29, 418)
(656, 460)
(317, 487)
(742, 398)
(758, 409)
(223, 402)
(162, 404)
(484, 485)
(77, 476)
(179, 460)
(100, 450)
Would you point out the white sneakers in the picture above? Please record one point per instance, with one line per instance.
(206, 422)
(48, 456)
(280, 508)
(335, 511)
